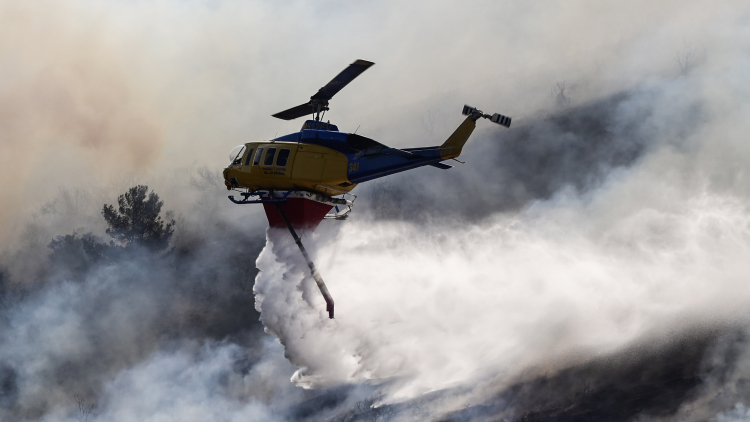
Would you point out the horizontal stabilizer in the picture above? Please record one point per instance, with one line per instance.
(442, 166)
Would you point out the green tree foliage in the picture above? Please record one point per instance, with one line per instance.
(137, 220)
(76, 253)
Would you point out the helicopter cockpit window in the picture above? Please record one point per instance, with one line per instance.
(249, 157)
(282, 158)
(257, 156)
(269, 157)
(235, 157)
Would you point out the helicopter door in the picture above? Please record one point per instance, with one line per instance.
(308, 166)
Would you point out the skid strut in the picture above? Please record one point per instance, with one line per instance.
(316, 276)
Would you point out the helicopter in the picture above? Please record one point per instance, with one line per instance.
(301, 177)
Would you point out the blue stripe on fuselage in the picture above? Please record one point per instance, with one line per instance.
(384, 163)
(371, 164)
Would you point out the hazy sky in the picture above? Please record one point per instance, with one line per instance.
(94, 91)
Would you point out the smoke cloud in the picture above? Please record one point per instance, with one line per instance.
(589, 262)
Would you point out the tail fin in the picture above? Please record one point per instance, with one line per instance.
(451, 148)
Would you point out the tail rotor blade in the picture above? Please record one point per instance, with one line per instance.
(500, 119)
(475, 114)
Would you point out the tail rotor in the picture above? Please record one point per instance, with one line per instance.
(495, 118)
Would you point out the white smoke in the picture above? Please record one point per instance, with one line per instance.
(427, 310)
(199, 383)
(659, 248)
(739, 413)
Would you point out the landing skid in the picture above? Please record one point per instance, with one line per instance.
(267, 197)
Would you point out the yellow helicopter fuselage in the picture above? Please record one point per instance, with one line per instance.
(277, 165)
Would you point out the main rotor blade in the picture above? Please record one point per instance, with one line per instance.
(295, 112)
(342, 79)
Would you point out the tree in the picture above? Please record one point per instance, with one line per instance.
(75, 253)
(561, 99)
(686, 59)
(137, 220)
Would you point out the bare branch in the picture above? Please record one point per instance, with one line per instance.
(558, 93)
(83, 411)
(686, 59)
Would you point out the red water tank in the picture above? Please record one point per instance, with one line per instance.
(301, 213)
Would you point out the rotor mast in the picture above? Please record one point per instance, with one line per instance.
(318, 107)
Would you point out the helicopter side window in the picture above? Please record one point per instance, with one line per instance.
(257, 156)
(282, 158)
(249, 156)
(269, 157)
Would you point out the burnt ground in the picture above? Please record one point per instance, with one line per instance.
(646, 382)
